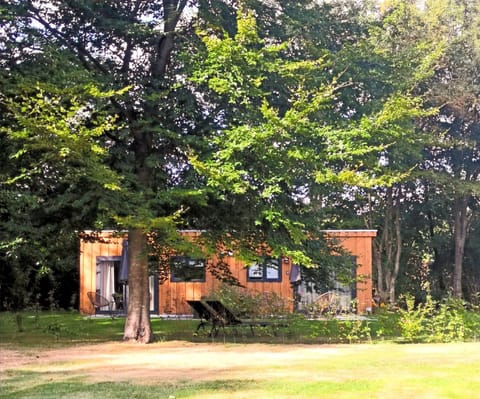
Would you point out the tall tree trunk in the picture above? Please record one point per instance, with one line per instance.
(461, 226)
(388, 242)
(137, 325)
(377, 260)
(388, 248)
(398, 252)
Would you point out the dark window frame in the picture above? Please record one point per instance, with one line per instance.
(188, 261)
(264, 267)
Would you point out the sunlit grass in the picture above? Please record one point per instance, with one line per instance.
(386, 371)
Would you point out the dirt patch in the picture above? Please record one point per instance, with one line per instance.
(160, 362)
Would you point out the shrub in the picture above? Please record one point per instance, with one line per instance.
(433, 321)
(354, 331)
(413, 319)
(251, 304)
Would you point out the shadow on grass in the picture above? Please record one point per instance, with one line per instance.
(21, 384)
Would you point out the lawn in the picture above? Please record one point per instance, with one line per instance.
(182, 369)
(64, 355)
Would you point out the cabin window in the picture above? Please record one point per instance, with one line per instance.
(184, 268)
(268, 270)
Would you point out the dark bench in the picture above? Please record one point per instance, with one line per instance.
(214, 312)
(205, 314)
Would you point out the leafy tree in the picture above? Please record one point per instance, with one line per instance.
(405, 40)
(123, 45)
(294, 143)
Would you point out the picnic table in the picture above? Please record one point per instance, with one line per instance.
(215, 313)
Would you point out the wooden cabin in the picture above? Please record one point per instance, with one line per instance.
(103, 270)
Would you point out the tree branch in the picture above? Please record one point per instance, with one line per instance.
(89, 61)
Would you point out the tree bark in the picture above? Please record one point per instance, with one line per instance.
(388, 242)
(388, 248)
(377, 259)
(137, 325)
(461, 225)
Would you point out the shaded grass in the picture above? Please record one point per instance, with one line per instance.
(75, 388)
(54, 329)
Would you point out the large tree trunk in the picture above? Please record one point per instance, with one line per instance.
(460, 235)
(137, 326)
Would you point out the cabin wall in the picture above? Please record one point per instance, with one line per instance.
(107, 246)
(173, 295)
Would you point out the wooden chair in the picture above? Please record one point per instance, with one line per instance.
(328, 302)
(98, 301)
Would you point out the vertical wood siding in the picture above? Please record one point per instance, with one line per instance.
(359, 244)
(173, 295)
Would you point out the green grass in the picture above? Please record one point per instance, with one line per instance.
(372, 369)
(386, 371)
(24, 386)
(53, 329)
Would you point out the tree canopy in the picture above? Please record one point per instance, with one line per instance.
(254, 121)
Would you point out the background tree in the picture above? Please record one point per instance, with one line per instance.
(451, 161)
(50, 175)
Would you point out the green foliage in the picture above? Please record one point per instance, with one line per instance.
(266, 127)
(412, 320)
(355, 331)
(276, 158)
(52, 182)
(433, 321)
(233, 64)
(63, 131)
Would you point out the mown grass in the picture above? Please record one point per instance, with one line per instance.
(53, 329)
(25, 386)
(383, 370)
(376, 368)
